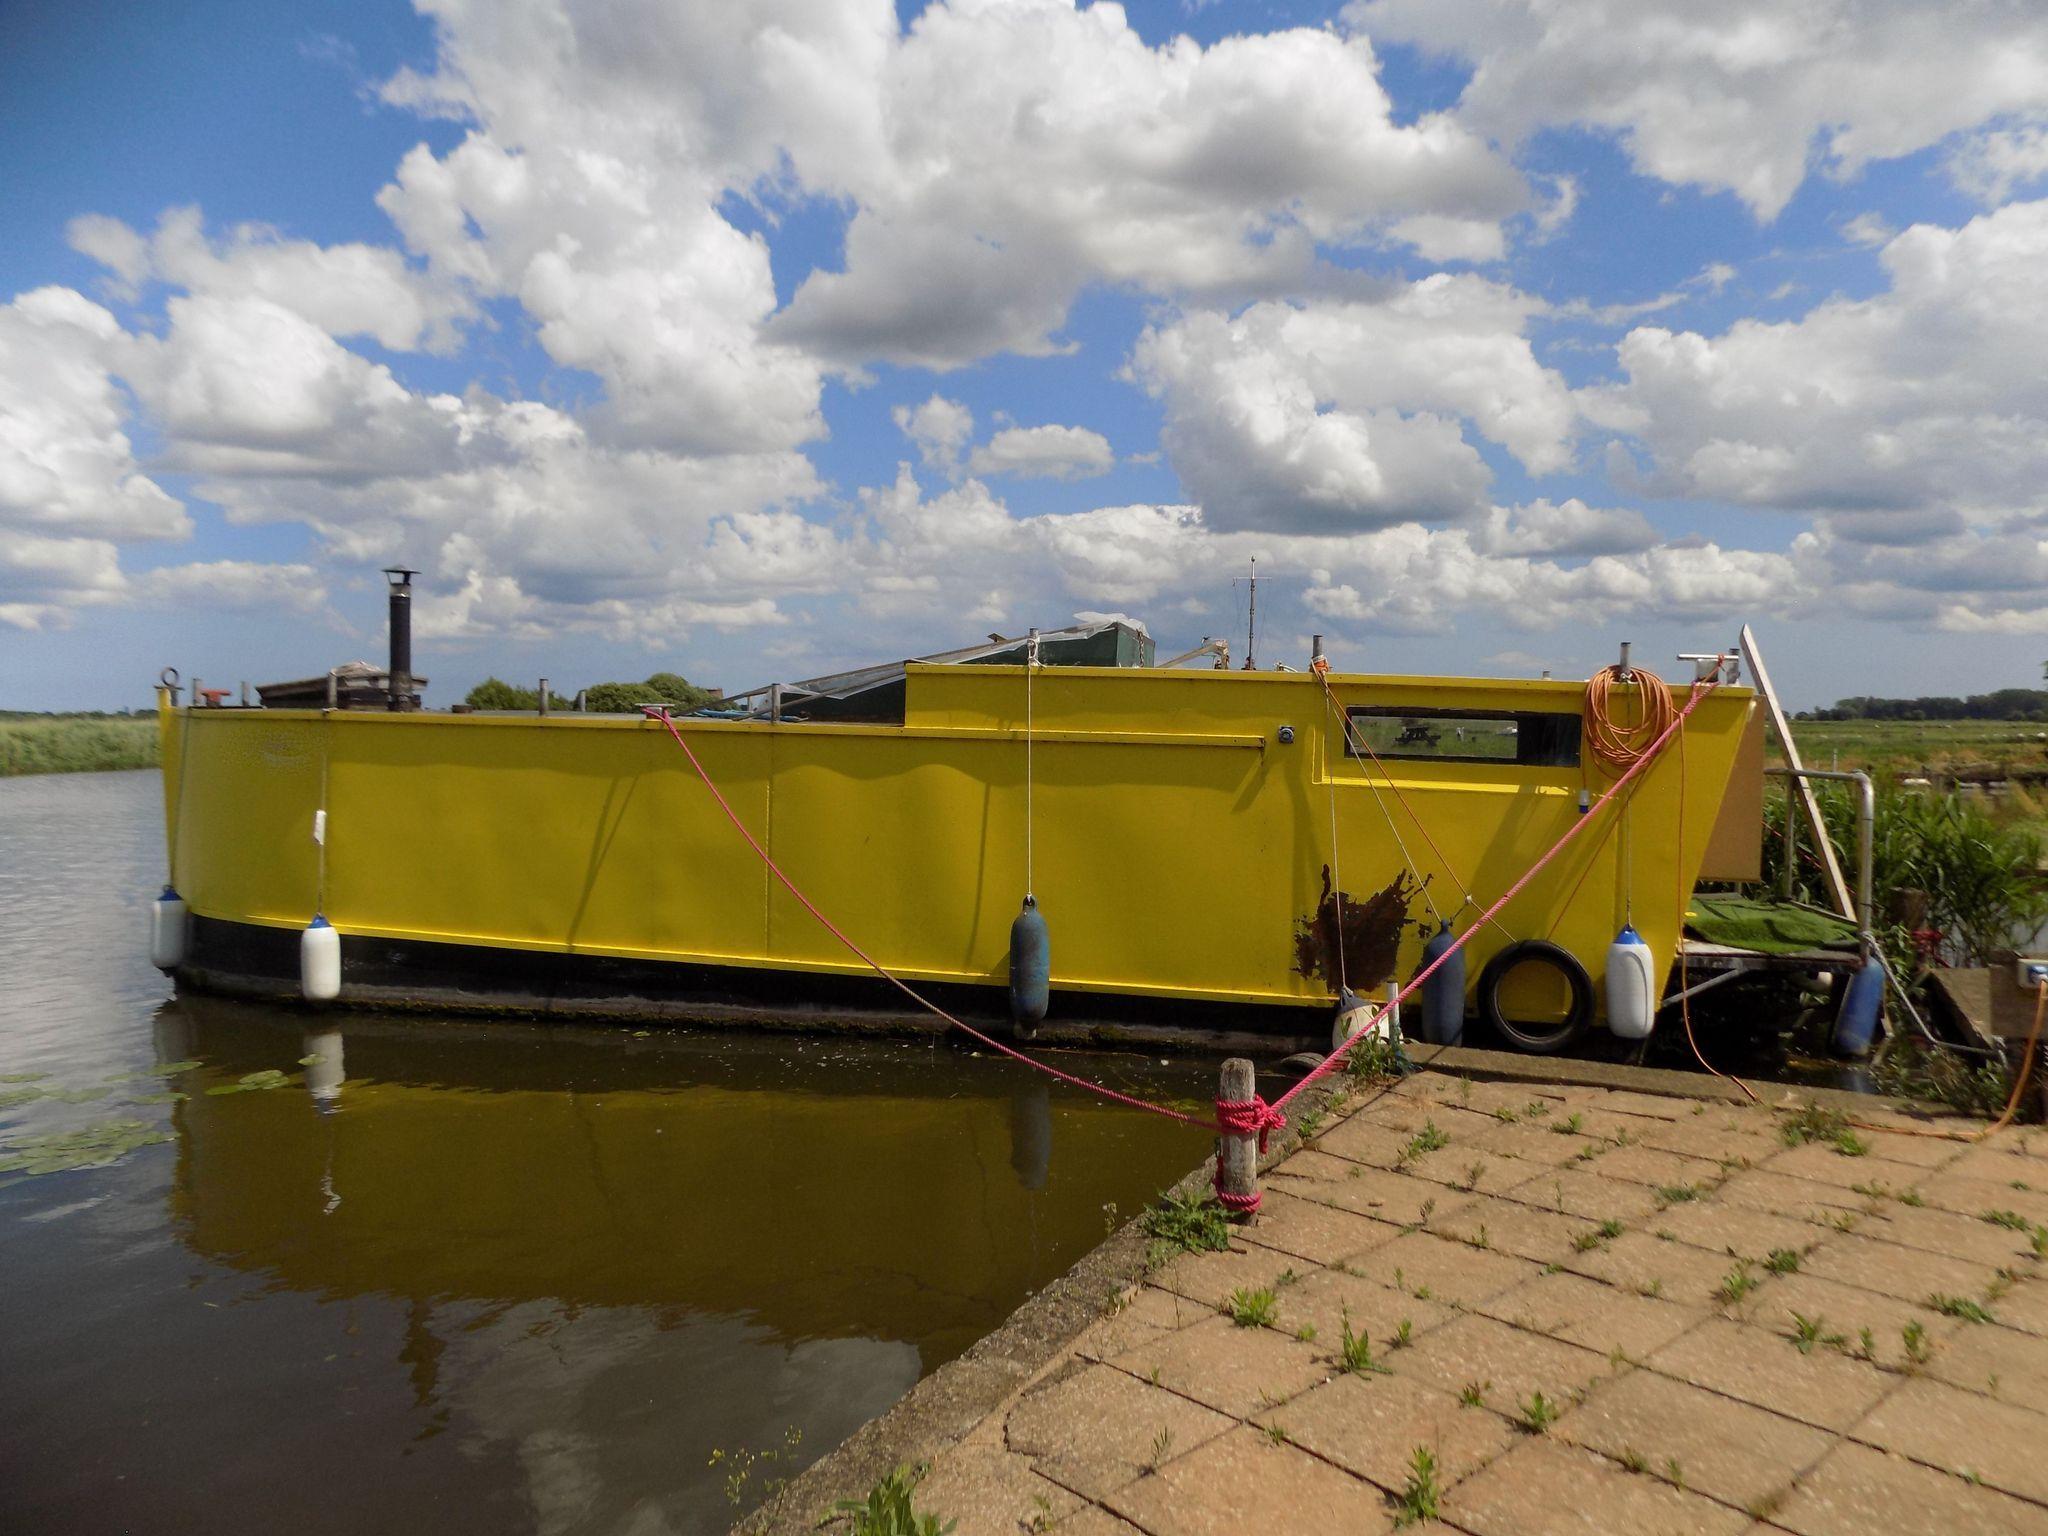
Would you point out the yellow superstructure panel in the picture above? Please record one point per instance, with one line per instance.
(1177, 844)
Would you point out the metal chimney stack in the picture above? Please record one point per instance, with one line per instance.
(400, 679)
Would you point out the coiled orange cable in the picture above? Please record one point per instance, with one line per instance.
(1617, 742)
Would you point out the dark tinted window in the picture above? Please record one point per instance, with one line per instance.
(1527, 738)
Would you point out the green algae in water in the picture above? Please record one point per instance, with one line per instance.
(253, 1082)
(14, 1096)
(91, 1146)
(23, 1077)
(170, 1096)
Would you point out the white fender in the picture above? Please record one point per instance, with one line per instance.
(1631, 985)
(320, 962)
(168, 924)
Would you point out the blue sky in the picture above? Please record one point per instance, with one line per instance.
(758, 341)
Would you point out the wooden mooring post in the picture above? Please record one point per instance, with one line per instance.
(1237, 1157)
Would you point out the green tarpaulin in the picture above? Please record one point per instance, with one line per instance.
(1772, 927)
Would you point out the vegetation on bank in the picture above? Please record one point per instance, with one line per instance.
(1969, 750)
(75, 743)
(668, 688)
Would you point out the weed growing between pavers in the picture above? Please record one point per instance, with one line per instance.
(1914, 1336)
(887, 1509)
(1420, 1496)
(1737, 1283)
(1473, 1394)
(1825, 1125)
(1807, 1332)
(1252, 1309)
(1538, 1413)
(1430, 1138)
(1782, 1261)
(1354, 1351)
(1192, 1223)
(1960, 1306)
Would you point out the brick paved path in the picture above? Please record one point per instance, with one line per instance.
(1598, 1311)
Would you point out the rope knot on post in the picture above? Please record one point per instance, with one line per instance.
(1243, 1120)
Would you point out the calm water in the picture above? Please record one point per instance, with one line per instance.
(477, 1277)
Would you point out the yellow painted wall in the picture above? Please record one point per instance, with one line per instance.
(1177, 843)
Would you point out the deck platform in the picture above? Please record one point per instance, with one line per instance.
(1596, 1308)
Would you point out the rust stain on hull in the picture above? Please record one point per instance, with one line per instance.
(1371, 936)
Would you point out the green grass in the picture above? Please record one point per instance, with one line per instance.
(1903, 748)
(886, 1511)
(1354, 1351)
(1420, 1496)
(1252, 1309)
(1195, 1223)
(1961, 1306)
(75, 743)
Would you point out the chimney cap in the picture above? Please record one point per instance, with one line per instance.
(400, 576)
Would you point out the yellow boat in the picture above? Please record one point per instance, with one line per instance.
(1196, 841)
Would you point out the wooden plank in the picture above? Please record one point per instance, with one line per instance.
(1831, 867)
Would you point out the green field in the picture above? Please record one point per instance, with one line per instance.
(75, 743)
(1975, 749)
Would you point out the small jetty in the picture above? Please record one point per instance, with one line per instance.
(1518, 1307)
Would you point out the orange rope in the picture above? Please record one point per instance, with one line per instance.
(1617, 742)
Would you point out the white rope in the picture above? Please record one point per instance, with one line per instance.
(1336, 867)
(1030, 666)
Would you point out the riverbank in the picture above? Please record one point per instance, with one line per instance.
(32, 744)
(1493, 1306)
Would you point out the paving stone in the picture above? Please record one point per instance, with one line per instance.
(1095, 1522)
(1962, 1235)
(1372, 1424)
(1825, 1163)
(1963, 1432)
(1148, 1313)
(1652, 1106)
(1479, 1172)
(1857, 1491)
(1926, 1152)
(1324, 1300)
(1531, 1142)
(1412, 1115)
(990, 1492)
(2001, 1362)
(2002, 1161)
(1385, 1196)
(1947, 1191)
(1594, 1315)
(1448, 1270)
(1222, 1366)
(1312, 1231)
(2025, 1306)
(1737, 1230)
(1754, 1366)
(1727, 1450)
(1719, 1143)
(1511, 1363)
(1243, 1481)
(1879, 1266)
(1575, 1192)
(1546, 1488)
(1801, 1199)
(1099, 1428)
(1364, 1141)
(1846, 1310)
(1209, 1278)
(1506, 1226)
(1650, 1266)
(1656, 1168)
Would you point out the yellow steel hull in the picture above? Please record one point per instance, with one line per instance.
(1178, 846)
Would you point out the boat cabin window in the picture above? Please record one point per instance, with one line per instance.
(1525, 738)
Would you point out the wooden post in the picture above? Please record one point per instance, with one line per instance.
(1237, 1157)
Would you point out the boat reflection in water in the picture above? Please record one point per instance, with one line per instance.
(623, 1261)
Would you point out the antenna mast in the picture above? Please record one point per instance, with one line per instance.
(1251, 627)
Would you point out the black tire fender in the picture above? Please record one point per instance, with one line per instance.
(1537, 1041)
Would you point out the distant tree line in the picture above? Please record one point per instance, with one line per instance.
(2000, 704)
(669, 688)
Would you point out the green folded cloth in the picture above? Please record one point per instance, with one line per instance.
(1770, 927)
